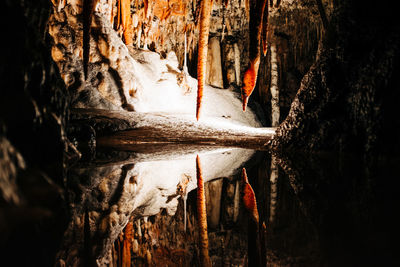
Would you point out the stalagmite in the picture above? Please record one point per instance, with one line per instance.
(255, 27)
(202, 217)
(202, 51)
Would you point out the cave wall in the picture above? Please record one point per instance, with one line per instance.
(346, 99)
(33, 141)
(34, 101)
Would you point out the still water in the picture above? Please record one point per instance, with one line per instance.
(139, 207)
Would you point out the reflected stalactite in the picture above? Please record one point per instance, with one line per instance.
(254, 238)
(249, 198)
(202, 216)
(184, 213)
(236, 202)
(274, 190)
(127, 246)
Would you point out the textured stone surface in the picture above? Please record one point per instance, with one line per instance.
(339, 104)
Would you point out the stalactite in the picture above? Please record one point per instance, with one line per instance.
(249, 198)
(322, 14)
(139, 37)
(255, 26)
(237, 63)
(185, 69)
(265, 29)
(88, 8)
(126, 21)
(146, 7)
(278, 3)
(111, 5)
(247, 8)
(197, 11)
(274, 87)
(202, 216)
(226, 2)
(118, 15)
(202, 51)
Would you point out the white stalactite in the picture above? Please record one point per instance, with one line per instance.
(275, 122)
(139, 36)
(274, 87)
(237, 64)
(185, 69)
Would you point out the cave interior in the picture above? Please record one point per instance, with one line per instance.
(199, 133)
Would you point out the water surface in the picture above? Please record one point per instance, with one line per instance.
(140, 206)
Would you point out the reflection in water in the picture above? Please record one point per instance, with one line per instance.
(202, 216)
(274, 189)
(105, 195)
(127, 209)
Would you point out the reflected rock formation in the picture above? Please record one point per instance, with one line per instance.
(104, 194)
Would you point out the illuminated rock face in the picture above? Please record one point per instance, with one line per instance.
(121, 77)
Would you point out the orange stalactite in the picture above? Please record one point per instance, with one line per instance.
(255, 26)
(146, 7)
(202, 216)
(127, 245)
(118, 15)
(202, 51)
(249, 81)
(249, 198)
(226, 2)
(127, 21)
(265, 30)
